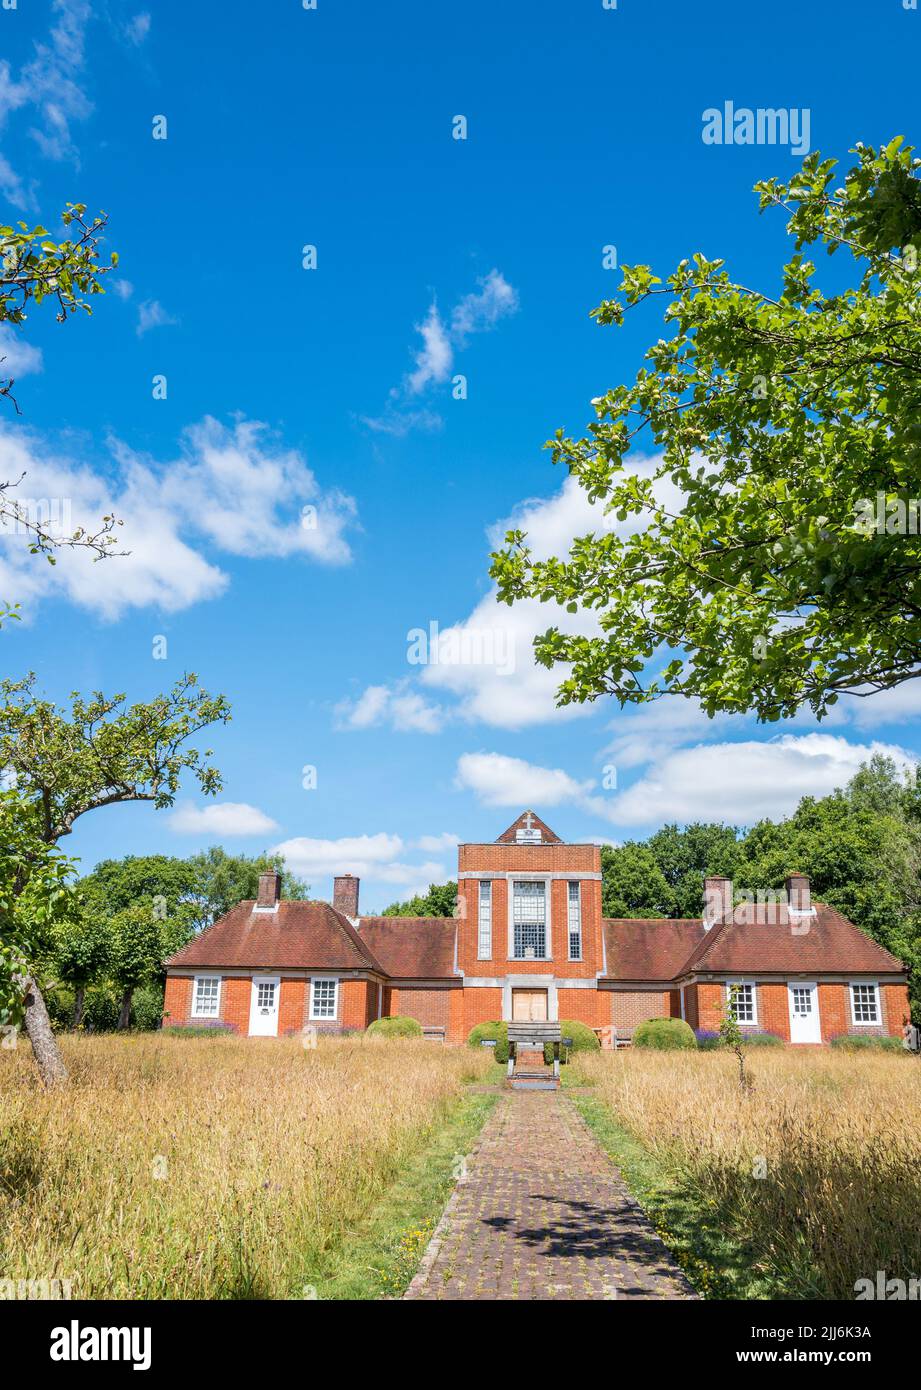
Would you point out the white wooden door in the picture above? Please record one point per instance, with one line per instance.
(805, 1024)
(263, 1008)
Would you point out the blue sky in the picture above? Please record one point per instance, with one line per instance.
(331, 388)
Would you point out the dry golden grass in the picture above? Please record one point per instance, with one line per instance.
(207, 1167)
(837, 1139)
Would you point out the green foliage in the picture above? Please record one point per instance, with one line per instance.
(584, 1039)
(34, 267)
(218, 880)
(776, 420)
(439, 901)
(861, 1042)
(100, 752)
(633, 885)
(35, 895)
(398, 1026)
(496, 1032)
(763, 1040)
(664, 1035)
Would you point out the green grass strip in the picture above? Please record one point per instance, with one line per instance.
(718, 1265)
(379, 1259)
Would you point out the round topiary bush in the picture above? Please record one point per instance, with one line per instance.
(495, 1032)
(584, 1039)
(396, 1027)
(665, 1035)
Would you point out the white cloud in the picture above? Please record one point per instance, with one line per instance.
(123, 288)
(19, 358)
(434, 358)
(235, 489)
(377, 857)
(220, 818)
(137, 29)
(151, 314)
(499, 780)
(743, 782)
(49, 87)
(402, 709)
(477, 312)
(435, 844)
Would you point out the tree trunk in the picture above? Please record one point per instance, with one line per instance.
(79, 1001)
(45, 1048)
(124, 1017)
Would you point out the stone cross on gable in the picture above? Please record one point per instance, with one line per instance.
(528, 822)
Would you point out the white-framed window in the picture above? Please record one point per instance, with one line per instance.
(575, 922)
(865, 1004)
(742, 1001)
(529, 919)
(484, 921)
(324, 998)
(206, 996)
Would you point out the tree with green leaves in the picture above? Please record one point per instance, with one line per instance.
(220, 880)
(439, 901)
(34, 267)
(101, 752)
(80, 953)
(769, 560)
(632, 883)
(35, 892)
(687, 855)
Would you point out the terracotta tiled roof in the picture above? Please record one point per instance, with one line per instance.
(549, 836)
(649, 948)
(299, 934)
(417, 948)
(767, 939)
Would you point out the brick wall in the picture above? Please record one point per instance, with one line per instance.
(292, 1007)
(588, 1006)
(177, 1000)
(480, 1006)
(631, 1007)
(896, 1010)
(498, 963)
(430, 1007)
(774, 1009)
(236, 994)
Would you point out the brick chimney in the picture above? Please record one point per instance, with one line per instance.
(269, 890)
(717, 899)
(345, 895)
(799, 894)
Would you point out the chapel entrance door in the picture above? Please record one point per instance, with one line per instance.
(529, 1006)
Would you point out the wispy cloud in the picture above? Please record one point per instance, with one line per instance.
(220, 818)
(404, 710)
(151, 314)
(433, 361)
(17, 357)
(137, 29)
(49, 87)
(232, 491)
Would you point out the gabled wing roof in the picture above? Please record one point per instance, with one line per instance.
(298, 934)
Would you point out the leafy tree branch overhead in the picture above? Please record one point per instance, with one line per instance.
(787, 423)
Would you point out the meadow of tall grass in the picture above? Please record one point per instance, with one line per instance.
(815, 1172)
(208, 1167)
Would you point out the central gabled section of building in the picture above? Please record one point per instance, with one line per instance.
(529, 930)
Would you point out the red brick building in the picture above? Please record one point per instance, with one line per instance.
(528, 940)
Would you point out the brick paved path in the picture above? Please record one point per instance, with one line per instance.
(544, 1214)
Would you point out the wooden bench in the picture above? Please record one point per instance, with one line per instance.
(533, 1036)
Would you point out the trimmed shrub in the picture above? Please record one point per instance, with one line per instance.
(862, 1042)
(215, 1028)
(583, 1040)
(665, 1035)
(761, 1039)
(497, 1032)
(399, 1026)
